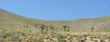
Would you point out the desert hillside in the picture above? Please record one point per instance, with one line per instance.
(15, 28)
(100, 23)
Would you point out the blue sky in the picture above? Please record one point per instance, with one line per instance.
(57, 9)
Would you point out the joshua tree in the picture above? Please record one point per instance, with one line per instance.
(51, 26)
(66, 28)
(92, 28)
(43, 27)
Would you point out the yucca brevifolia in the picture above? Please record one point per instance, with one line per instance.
(43, 27)
(92, 28)
(51, 26)
(66, 28)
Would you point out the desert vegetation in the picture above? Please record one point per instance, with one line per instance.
(14, 28)
(20, 33)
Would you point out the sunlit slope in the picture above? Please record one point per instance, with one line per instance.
(79, 25)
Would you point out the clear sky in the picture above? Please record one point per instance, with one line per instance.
(57, 9)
